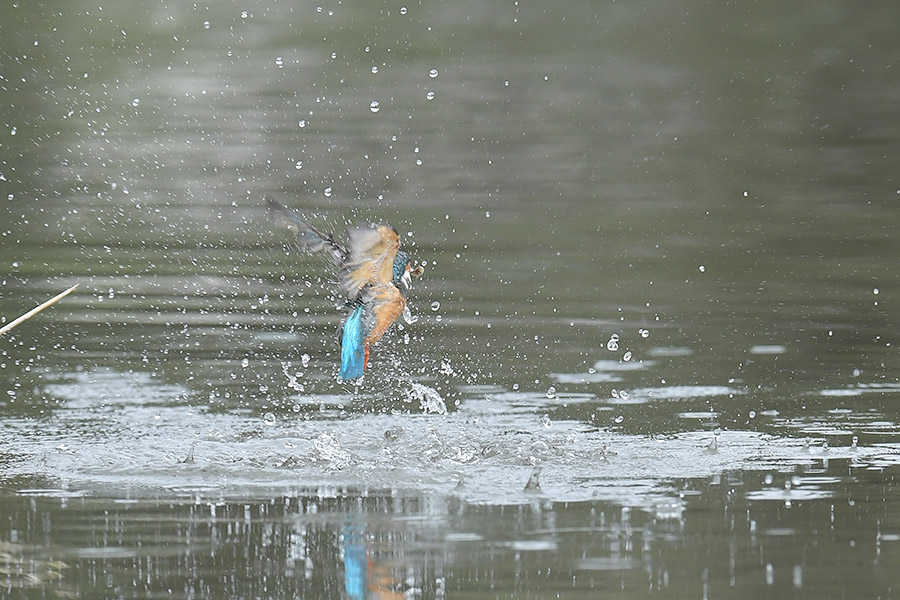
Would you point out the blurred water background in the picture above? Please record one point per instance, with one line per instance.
(661, 286)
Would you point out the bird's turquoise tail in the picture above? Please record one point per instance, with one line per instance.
(353, 353)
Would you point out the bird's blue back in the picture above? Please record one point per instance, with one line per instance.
(353, 354)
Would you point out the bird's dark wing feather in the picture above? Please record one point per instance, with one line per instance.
(309, 238)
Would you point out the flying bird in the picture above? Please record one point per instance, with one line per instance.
(374, 276)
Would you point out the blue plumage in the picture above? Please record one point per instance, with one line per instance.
(353, 354)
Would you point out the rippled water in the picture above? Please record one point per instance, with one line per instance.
(653, 352)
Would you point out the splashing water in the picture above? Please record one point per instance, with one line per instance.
(329, 449)
(293, 383)
(430, 400)
(408, 317)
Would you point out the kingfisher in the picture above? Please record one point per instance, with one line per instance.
(374, 276)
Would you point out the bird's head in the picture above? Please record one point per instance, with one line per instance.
(402, 273)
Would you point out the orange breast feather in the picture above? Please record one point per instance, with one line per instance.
(387, 305)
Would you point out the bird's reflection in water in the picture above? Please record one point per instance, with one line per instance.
(366, 576)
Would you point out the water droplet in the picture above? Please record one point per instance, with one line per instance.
(269, 419)
(627, 356)
(645, 333)
(206, 25)
(374, 68)
(623, 395)
(375, 106)
(134, 102)
(752, 414)
(244, 14)
(546, 422)
(619, 419)
(855, 443)
(702, 268)
(298, 165)
(296, 408)
(304, 360)
(408, 317)
(302, 123)
(551, 392)
(613, 344)
(245, 363)
(279, 62)
(435, 306)
(328, 192)
(403, 10)
(515, 387)
(429, 95)
(433, 73)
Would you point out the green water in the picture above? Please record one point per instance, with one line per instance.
(660, 278)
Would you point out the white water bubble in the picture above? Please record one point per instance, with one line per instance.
(206, 25)
(301, 124)
(546, 422)
(435, 306)
(298, 165)
(619, 419)
(551, 392)
(403, 10)
(374, 69)
(375, 106)
(279, 62)
(429, 95)
(433, 73)
(244, 14)
(269, 419)
(328, 192)
(627, 356)
(304, 360)
(645, 333)
(245, 363)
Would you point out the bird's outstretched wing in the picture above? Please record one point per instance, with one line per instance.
(370, 257)
(309, 238)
